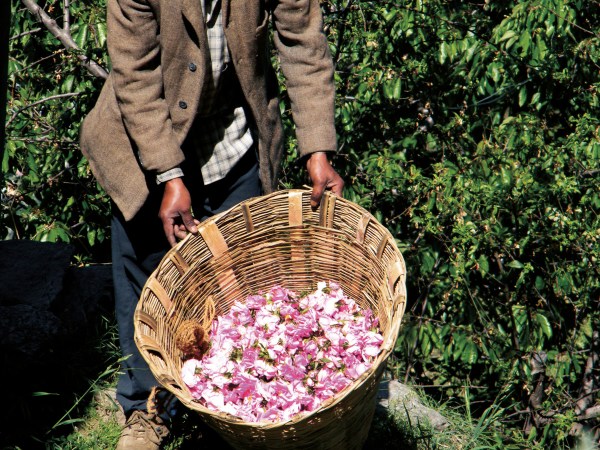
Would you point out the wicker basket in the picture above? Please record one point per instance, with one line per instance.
(268, 240)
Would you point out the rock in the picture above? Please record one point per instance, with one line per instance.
(107, 406)
(26, 330)
(400, 400)
(43, 299)
(51, 317)
(32, 273)
(87, 291)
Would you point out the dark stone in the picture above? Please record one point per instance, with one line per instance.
(26, 330)
(44, 299)
(32, 273)
(87, 293)
(52, 317)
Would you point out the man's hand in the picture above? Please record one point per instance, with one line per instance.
(323, 176)
(176, 211)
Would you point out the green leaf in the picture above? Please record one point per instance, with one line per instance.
(397, 92)
(507, 35)
(539, 283)
(544, 324)
(69, 422)
(515, 264)
(484, 266)
(495, 70)
(80, 37)
(426, 343)
(507, 177)
(67, 85)
(91, 237)
(101, 34)
(460, 342)
(524, 42)
(6, 156)
(522, 96)
(443, 53)
(427, 263)
(62, 234)
(470, 353)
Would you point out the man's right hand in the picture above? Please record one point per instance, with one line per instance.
(176, 211)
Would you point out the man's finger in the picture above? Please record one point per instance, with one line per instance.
(189, 222)
(316, 194)
(180, 231)
(338, 187)
(169, 232)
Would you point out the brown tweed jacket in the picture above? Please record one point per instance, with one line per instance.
(159, 56)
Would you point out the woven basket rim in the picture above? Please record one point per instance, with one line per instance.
(387, 345)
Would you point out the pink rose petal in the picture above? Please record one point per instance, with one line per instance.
(278, 355)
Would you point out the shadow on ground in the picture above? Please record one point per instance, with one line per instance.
(55, 338)
(385, 434)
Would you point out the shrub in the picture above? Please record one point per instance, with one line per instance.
(467, 129)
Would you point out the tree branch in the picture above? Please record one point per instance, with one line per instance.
(24, 33)
(589, 379)
(66, 17)
(65, 38)
(37, 102)
(590, 413)
(29, 66)
(5, 16)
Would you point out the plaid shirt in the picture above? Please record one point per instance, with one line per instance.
(220, 133)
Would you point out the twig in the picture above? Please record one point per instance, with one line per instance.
(37, 102)
(590, 172)
(66, 17)
(43, 139)
(570, 22)
(589, 378)
(450, 386)
(57, 52)
(24, 33)
(590, 413)
(65, 38)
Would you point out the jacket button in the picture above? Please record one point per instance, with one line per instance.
(192, 67)
(182, 104)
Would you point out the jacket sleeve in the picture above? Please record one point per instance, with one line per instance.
(308, 69)
(134, 50)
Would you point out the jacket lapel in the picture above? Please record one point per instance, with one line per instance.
(192, 10)
(225, 5)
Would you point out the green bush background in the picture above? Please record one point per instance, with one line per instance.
(470, 130)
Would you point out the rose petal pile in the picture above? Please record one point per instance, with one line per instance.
(280, 354)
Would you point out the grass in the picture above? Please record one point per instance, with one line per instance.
(57, 405)
(99, 430)
(93, 425)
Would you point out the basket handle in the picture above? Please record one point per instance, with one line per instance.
(160, 292)
(327, 209)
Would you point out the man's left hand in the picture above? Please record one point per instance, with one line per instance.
(323, 177)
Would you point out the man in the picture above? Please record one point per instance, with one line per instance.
(187, 125)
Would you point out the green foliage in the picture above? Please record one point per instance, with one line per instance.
(48, 193)
(495, 206)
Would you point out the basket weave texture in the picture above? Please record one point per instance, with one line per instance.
(276, 239)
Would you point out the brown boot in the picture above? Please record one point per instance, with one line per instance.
(142, 431)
